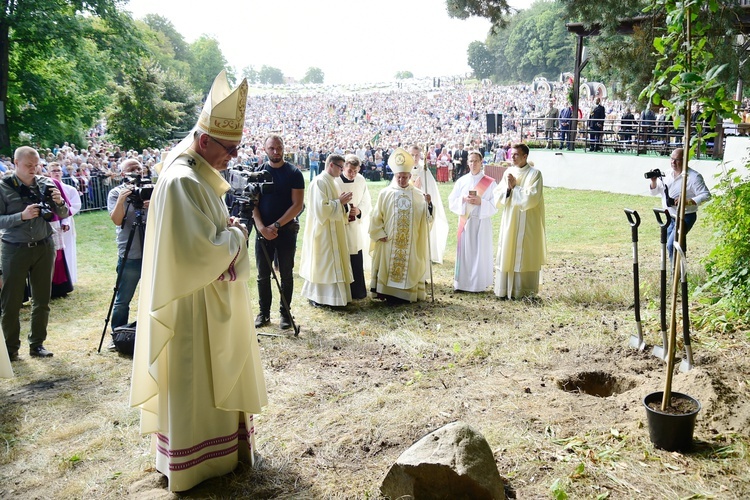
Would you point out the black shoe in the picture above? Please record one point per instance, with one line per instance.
(285, 323)
(40, 352)
(262, 320)
(13, 356)
(314, 304)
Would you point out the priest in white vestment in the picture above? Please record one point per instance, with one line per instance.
(358, 223)
(522, 248)
(325, 264)
(399, 231)
(197, 375)
(422, 179)
(472, 199)
(69, 236)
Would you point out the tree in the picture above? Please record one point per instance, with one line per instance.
(48, 30)
(250, 73)
(533, 42)
(313, 75)
(179, 91)
(207, 62)
(403, 75)
(494, 10)
(141, 116)
(166, 45)
(629, 60)
(270, 75)
(481, 60)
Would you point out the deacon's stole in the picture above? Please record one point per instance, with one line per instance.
(480, 188)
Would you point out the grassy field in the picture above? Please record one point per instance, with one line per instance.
(359, 386)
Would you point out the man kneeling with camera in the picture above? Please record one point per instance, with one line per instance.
(27, 204)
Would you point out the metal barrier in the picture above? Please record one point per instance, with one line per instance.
(95, 195)
(637, 138)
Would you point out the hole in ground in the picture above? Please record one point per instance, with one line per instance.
(596, 383)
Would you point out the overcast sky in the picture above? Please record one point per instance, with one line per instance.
(350, 40)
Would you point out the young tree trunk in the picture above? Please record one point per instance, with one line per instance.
(4, 71)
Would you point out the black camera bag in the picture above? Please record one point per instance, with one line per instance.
(124, 338)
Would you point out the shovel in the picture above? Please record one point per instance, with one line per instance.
(661, 351)
(636, 341)
(687, 362)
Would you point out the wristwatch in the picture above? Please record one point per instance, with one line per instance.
(277, 225)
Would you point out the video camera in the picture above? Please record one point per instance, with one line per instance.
(247, 188)
(653, 174)
(141, 191)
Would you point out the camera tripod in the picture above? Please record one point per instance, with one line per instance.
(138, 225)
(284, 303)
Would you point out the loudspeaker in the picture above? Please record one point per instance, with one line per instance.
(494, 123)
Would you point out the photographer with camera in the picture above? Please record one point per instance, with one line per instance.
(124, 206)
(27, 203)
(669, 187)
(275, 219)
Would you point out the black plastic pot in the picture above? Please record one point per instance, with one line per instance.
(671, 432)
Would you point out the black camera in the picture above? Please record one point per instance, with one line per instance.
(45, 204)
(141, 190)
(248, 187)
(653, 174)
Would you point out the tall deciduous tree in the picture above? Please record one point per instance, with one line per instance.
(403, 75)
(533, 42)
(313, 75)
(207, 62)
(481, 60)
(250, 73)
(270, 75)
(50, 30)
(141, 115)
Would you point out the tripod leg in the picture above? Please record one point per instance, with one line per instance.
(137, 226)
(284, 303)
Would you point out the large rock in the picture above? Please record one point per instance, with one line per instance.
(454, 462)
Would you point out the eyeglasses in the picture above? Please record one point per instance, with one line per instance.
(231, 150)
(340, 166)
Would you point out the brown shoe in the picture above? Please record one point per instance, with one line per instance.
(13, 356)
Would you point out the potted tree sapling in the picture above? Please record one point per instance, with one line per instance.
(685, 72)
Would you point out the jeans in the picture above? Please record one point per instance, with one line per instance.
(37, 263)
(689, 222)
(131, 275)
(313, 169)
(566, 136)
(281, 249)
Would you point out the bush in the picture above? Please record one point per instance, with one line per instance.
(728, 264)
